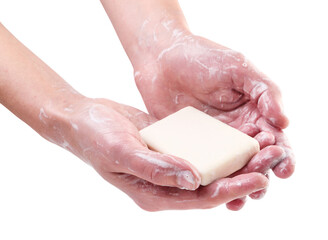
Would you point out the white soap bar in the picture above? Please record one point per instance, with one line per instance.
(213, 147)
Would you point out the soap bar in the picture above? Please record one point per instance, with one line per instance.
(214, 148)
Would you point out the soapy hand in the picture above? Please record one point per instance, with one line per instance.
(189, 70)
(105, 135)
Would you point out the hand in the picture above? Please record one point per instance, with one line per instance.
(191, 70)
(105, 135)
(174, 69)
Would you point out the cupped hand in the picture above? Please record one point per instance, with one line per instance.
(189, 70)
(105, 135)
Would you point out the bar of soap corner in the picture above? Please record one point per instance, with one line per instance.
(213, 147)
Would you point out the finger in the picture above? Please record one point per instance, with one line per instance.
(250, 129)
(237, 204)
(286, 167)
(265, 93)
(161, 169)
(229, 189)
(262, 162)
(265, 139)
(259, 194)
(266, 159)
(155, 198)
(270, 106)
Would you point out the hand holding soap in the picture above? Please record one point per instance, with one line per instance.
(213, 147)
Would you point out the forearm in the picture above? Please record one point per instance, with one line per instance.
(145, 27)
(29, 88)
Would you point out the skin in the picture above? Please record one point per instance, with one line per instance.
(105, 135)
(174, 68)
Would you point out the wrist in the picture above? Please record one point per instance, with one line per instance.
(55, 116)
(145, 27)
(155, 37)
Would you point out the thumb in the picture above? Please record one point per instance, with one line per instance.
(270, 106)
(266, 94)
(161, 169)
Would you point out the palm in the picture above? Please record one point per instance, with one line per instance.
(221, 82)
(105, 134)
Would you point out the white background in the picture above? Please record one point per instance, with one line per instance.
(47, 193)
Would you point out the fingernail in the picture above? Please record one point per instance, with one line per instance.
(186, 180)
(258, 194)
